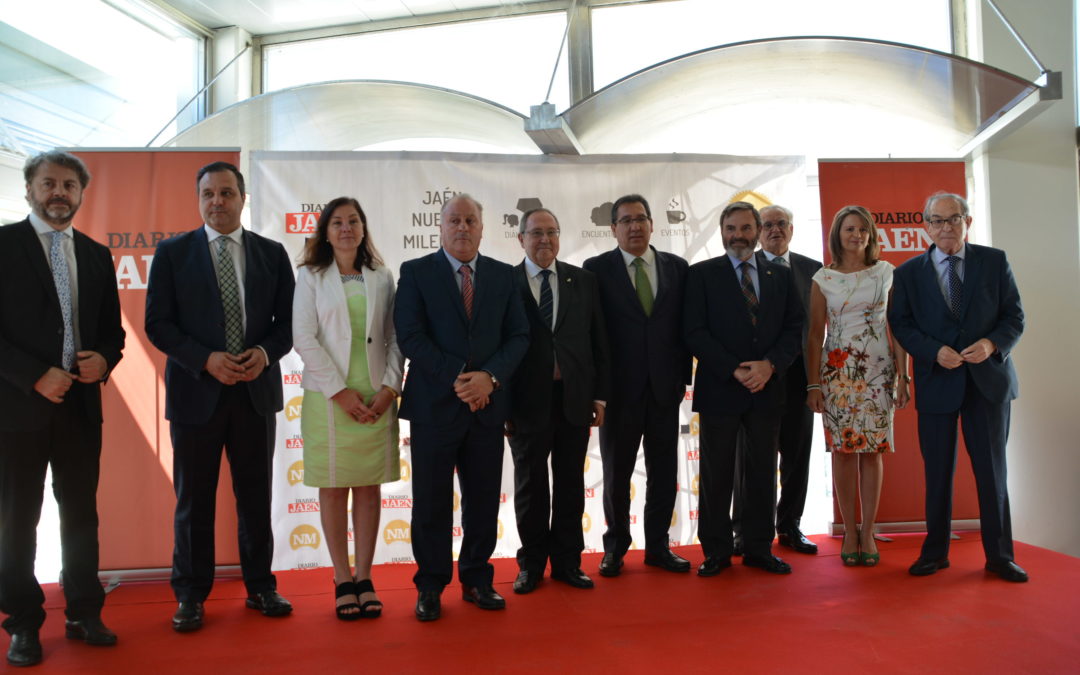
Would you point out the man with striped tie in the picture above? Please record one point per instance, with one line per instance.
(557, 393)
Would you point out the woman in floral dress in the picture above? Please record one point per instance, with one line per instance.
(854, 383)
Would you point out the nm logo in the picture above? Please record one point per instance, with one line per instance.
(293, 408)
(304, 535)
(296, 472)
(586, 522)
(397, 531)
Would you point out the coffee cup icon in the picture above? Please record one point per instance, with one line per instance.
(675, 217)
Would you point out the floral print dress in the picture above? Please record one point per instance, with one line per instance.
(858, 373)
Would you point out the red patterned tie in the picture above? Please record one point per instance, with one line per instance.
(466, 289)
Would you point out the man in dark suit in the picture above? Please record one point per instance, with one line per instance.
(60, 337)
(219, 305)
(641, 290)
(558, 391)
(797, 421)
(460, 322)
(956, 310)
(743, 320)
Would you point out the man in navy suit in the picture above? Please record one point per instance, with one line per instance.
(60, 337)
(219, 305)
(557, 393)
(743, 321)
(641, 290)
(956, 310)
(461, 324)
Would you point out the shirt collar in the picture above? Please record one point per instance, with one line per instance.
(236, 235)
(41, 227)
(940, 256)
(649, 256)
(533, 270)
(735, 261)
(770, 257)
(456, 264)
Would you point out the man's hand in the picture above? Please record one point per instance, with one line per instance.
(597, 415)
(253, 361)
(474, 388)
(54, 384)
(225, 367)
(92, 366)
(754, 375)
(978, 352)
(948, 358)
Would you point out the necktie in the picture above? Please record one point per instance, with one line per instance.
(230, 298)
(547, 301)
(748, 292)
(781, 261)
(466, 289)
(644, 288)
(956, 287)
(62, 279)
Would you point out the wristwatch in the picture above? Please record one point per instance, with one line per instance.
(494, 380)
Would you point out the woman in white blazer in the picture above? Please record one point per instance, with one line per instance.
(343, 329)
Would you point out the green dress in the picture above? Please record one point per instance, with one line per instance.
(338, 450)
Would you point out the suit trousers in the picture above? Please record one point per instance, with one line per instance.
(72, 446)
(476, 451)
(986, 430)
(549, 525)
(796, 443)
(719, 446)
(248, 441)
(656, 428)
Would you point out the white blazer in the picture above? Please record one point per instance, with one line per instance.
(323, 337)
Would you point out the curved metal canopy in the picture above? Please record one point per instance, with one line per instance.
(356, 115)
(812, 96)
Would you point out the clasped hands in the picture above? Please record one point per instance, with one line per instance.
(232, 368)
(754, 375)
(353, 404)
(949, 358)
(56, 382)
(474, 389)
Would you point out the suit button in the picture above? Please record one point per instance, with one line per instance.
(369, 340)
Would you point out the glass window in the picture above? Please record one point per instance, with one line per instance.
(106, 74)
(628, 38)
(508, 61)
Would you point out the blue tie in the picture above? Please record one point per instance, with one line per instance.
(63, 291)
(956, 287)
(547, 301)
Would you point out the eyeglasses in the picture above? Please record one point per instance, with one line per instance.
(954, 220)
(539, 234)
(769, 224)
(637, 220)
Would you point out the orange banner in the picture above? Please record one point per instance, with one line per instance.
(136, 199)
(895, 192)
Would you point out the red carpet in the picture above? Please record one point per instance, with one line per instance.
(822, 618)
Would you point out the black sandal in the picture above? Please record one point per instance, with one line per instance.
(342, 611)
(372, 608)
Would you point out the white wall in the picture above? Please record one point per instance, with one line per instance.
(1029, 181)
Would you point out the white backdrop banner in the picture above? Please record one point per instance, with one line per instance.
(402, 195)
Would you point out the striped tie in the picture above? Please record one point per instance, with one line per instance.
(547, 301)
(466, 289)
(230, 298)
(748, 291)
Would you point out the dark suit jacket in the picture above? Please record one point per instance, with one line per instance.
(186, 321)
(579, 344)
(719, 333)
(434, 334)
(32, 327)
(648, 356)
(920, 319)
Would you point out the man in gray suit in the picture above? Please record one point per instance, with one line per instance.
(797, 423)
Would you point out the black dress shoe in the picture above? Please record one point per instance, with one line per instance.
(188, 617)
(611, 565)
(769, 563)
(1007, 570)
(25, 649)
(483, 597)
(270, 603)
(667, 560)
(527, 581)
(713, 565)
(923, 567)
(736, 548)
(428, 605)
(573, 577)
(794, 539)
(90, 631)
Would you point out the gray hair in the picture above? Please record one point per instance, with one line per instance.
(59, 158)
(788, 215)
(464, 195)
(528, 214)
(934, 198)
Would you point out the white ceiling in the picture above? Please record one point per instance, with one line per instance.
(265, 17)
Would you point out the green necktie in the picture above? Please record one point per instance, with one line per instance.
(230, 299)
(644, 288)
